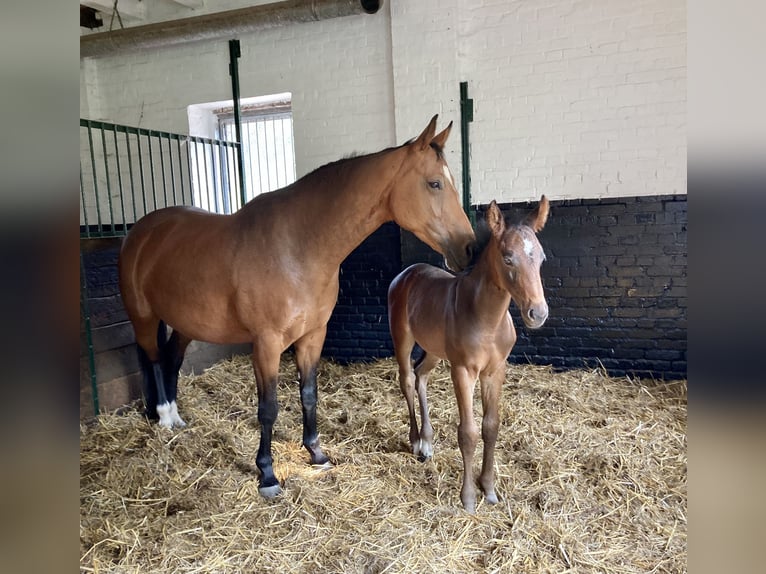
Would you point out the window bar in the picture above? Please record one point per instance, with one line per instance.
(170, 169)
(284, 152)
(141, 171)
(218, 174)
(162, 169)
(151, 171)
(84, 207)
(234, 173)
(199, 178)
(180, 171)
(95, 179)
(119, 181)
(276, 154)
(108, 181)
(209, 180)
(130, 171)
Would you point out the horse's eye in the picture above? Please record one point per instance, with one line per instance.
(435, 184)
(507, 260)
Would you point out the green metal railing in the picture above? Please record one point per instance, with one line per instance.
(126, 172)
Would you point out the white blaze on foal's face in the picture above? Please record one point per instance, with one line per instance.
(528, 247)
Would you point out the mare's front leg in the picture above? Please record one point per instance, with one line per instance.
(266, 353)
(307, 352)
(463, 381)
(491, 385)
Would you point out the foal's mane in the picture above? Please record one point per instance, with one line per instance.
(483, 238)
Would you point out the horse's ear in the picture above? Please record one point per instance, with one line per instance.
(536, 219)
(441, 138)
(424, 139)
(495, 219)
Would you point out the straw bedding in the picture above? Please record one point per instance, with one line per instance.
(591, 475)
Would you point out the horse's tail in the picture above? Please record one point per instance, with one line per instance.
(162, 335)
(418, 356)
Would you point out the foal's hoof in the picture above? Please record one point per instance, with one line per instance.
(269, 492)
(423, 450)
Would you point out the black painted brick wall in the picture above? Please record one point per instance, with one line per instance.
(615, 280)
(358, 328)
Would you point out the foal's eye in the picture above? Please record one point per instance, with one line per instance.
(435, 184)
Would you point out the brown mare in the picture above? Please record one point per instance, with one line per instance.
(268, 274)
(464, 318)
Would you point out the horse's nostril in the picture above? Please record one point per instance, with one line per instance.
(470, 251)
(531, 314)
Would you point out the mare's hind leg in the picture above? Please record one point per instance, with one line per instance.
(491, 385)
(423, 367)
(150, 338)
(307, 352)
(172, 354)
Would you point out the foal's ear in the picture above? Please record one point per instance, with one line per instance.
(424, 139)
(495, 219)
(536, 219)
(441, 138)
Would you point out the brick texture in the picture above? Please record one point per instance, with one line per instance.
(615, 280)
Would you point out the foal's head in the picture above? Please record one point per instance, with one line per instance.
(516, 257)
(425, 201)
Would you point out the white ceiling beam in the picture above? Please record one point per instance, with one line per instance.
(190, 3)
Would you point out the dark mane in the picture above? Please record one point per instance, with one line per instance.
(438, 149)
(345, 161)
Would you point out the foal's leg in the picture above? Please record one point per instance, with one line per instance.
(491, 384)
(266, 353)
(467, 434)
(172, 357)
(422, 369)
(403, 344)
(307, 352)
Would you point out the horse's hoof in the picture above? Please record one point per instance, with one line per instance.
(326, 465)
(491, 498)
(269, 492)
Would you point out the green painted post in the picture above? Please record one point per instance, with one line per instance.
(234, 54)
(466, 117)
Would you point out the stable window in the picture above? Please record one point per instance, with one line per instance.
(267, 150)
(267, 145)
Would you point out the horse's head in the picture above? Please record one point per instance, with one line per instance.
(517, 259)
(425, 200)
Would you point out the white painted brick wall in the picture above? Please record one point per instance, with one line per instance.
(573, 98)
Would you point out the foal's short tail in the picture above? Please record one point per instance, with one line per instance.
(418, 356)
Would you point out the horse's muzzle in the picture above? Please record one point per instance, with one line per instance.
(457, 259)
(535, 315)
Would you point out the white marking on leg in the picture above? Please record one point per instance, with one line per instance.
(169, 416)
(177, 420)
(165, 419)
(426, 449)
